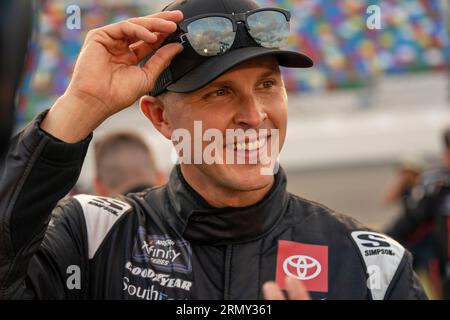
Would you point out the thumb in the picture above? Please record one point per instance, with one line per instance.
(160, 61)
(296, 289)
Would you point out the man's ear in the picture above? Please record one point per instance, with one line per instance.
(154, 110)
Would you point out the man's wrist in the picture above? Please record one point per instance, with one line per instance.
(71, 119)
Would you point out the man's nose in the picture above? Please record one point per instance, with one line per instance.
(250, 113)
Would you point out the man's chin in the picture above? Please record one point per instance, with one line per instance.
(247, 177)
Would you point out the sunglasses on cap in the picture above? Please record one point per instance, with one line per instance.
(214, 33)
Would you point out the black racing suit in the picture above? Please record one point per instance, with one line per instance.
(168, 243)
(430, 202)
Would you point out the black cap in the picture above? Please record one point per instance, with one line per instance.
(189, 71)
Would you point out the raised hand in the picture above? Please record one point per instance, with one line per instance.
(107, 78)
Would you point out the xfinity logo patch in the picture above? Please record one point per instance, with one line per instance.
(162, 252)
(306, 262)
(154, 250)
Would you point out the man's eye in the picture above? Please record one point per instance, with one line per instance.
(268, 84)
(220, 92)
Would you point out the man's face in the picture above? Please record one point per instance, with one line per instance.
(250, 96)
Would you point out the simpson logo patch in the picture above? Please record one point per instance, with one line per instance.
(100, 214)
(382, 256)
(107, 205)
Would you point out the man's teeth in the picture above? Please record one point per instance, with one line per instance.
(250, 146)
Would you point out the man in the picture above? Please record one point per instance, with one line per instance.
(124, 164)
(430, 203)
(215, 231)
(408, 178)
(419, 241)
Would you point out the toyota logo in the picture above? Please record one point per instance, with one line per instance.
(302, 267)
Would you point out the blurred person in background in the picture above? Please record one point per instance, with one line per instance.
(419, 241)
(124, 163)
(408, 175)
(429, 204)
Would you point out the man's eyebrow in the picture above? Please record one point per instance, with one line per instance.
(229, 83)
(225, 83)
(269, 73)
(221, 83)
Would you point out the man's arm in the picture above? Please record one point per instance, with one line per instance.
(405, 285)
(37, 172)
(44, 161)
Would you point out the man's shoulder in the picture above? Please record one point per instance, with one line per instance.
(312, 212)
(329, 223)
(381, 257)
(92, 208)
(92, 204)
(92, 215)
(109, 207)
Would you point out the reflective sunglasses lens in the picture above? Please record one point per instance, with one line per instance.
(269, 29)
(211, 36)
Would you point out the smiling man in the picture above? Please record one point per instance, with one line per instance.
(218, 229)
(249, 96)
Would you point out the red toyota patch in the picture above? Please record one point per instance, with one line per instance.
(306, 262)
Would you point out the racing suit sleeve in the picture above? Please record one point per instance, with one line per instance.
(405, 285)
(37, 260)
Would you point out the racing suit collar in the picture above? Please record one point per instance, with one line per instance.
(200, 222)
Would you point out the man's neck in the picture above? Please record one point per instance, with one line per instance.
(219, 196)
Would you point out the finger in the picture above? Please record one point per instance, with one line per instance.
(175, 16)
(142, 49)
(155, 24)
(296, 289)
(160, 61)
(130, 31)
(271, 291)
